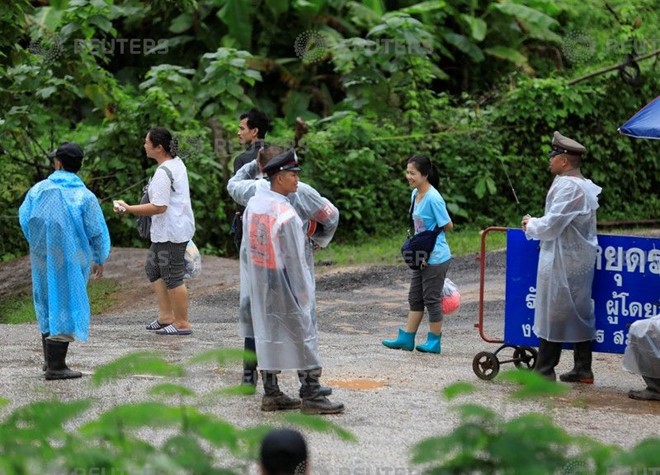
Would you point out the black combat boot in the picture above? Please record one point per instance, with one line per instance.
(548, 358)
(313, 402)
(651, 393)
(56, 361)
(581, 372)
(274, 399)
(250, 374)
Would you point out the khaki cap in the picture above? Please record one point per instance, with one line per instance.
(565, 145)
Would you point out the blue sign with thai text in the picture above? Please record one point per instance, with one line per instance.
(626, 288)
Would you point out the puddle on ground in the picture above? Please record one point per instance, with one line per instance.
(358, 384)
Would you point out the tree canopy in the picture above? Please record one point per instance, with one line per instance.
(478, 85)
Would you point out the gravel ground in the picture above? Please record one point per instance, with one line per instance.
(393, 398)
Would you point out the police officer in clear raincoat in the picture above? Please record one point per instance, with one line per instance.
(320, 220)
(564, 311)
(277, 290)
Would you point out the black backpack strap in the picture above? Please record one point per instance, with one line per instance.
(169, 174)
(411, 225)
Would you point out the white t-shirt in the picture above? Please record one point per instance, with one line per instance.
(177, 224)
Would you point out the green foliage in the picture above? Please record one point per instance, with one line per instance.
(48, 437)
(478, 86)
(485, 442)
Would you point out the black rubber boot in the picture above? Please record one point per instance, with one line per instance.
(651, 393)
(56, 360)
(274, 399)
(313, 402)
(43, 344)
(250, 373)
(548, 358)
(581, 372)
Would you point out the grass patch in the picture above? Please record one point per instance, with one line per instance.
(386, 250)
(21, 310)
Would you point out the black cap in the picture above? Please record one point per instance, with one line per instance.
(284, 451)
(282, 162)
(67, 150)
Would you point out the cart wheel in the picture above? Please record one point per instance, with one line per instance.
(524, 357)
(485, 365)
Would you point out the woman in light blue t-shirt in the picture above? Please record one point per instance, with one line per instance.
(429, 213)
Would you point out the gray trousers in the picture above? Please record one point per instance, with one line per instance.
(426, 290)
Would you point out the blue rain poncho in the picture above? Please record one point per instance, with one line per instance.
(564, 310)
(64, 225)
(277, 285)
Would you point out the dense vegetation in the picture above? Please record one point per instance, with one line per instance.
(479, 85)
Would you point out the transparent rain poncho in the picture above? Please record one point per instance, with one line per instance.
(319, 216)
(277, 289)
(64, 225)
(642, 354)
(308, 203)
(564, 310)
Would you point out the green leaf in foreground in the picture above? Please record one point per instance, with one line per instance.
(133, 364)
(319, 424)
(533, 385)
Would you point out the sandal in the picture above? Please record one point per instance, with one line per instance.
(172, 330)
(156, 325)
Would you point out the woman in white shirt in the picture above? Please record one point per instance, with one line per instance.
(172, 226)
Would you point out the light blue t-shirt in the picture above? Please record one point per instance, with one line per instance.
(428, 214)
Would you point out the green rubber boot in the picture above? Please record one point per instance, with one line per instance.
(405, 341)
(432, 344)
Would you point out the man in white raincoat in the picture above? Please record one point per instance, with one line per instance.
(564, 310)
(642, 357)
(69, 240)
(319, 216)
(277, 283)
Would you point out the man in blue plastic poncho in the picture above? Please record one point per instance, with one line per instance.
(564, 311)
(319, 216)
(69, 240)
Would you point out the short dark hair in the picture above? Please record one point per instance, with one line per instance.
(70, 155)
(256, 119)
(268, 152)
(162, 136)
(283, 452)
(70, 164)
(424, 165)
(574, 159)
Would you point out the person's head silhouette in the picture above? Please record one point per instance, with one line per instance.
(283, 452)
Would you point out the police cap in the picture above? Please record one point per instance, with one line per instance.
(563, 144)
(282, 162)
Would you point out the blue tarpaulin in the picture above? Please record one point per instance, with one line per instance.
(646, 123)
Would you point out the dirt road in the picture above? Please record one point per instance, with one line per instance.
(392, 397)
